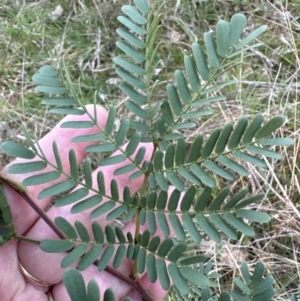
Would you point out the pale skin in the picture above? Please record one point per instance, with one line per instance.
(46, 267)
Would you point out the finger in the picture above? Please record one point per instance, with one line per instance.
(35, 261)
(63, 137)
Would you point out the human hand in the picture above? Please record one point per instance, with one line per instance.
(44, 266)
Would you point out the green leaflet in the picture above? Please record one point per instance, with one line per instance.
(237, 133)
(223, 226)
(131, 26)
(277, 141)
(137, 110)
(130, 38)
(237, 24)
(210, 143)
(51, 89)
(130, 51)
(202, 175)
(129, 66)
(87, 203)
(194, 276)
(200, 60)
(211, 50)
(19, 168)
(245, 273)
(163, 274)
(233, 165)
(133, 94)
(133, 13)
(253, 35)
(263, 152)
(165, 247)
(56, 189)
(216, 169)
(130, 79)
(191, 228)
(93, 293)
(56, 246)
(88, 138)
(180, 152)
(105, 258)
(163, 224)
(239, 224)
(223, 42)
(58, 101)
(174, 99)
(142, 6)
(14, 149)
(41, 178)
(193, 259)
(208, 228)
(74, 255)
(113, 160)
(178, 279)
(248, 158)
(182, 87)
(177, 226)
(242, 286)
(151, 267)
(119, 257)
(77, 124)
(75, 285)
(102, 209)
(48, 71)
(141, 260)
(192, 74)
(66, 227)
(90, 257)
(175, 180)
(256, 216)
(253, 128)
(177, 252)
(223, 138)
(72, 197)
(67, 111)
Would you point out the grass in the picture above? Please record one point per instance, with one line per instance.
(83, 39)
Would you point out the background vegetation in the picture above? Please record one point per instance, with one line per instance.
(82, 35)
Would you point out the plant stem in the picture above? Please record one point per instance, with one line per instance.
(52, 225)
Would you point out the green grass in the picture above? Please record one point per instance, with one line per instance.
(83, 40)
